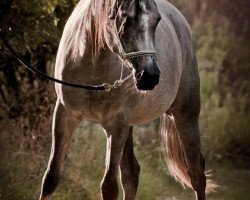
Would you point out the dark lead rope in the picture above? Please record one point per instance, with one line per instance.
(45, 76)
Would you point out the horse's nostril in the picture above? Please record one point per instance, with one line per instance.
(148, 81)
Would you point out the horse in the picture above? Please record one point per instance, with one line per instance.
(143, 51)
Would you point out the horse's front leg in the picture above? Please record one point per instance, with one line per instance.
(117, 133)
(130, 169)
(64, 124)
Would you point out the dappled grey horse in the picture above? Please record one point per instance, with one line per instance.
(143, 51)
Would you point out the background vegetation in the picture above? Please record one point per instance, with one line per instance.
(221, 31)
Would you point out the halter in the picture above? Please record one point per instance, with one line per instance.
(128, 57)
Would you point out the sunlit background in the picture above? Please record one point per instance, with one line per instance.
(221, 30)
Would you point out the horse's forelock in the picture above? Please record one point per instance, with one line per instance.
(88, 18)
(101, 10)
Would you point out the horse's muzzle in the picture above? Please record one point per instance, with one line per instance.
(149, 77)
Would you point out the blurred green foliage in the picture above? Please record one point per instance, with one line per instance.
(31, 23)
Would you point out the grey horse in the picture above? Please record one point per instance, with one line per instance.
(143, 51)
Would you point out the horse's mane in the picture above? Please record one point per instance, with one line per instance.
(88, 18)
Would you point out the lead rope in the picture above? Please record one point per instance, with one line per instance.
(126, 61)
(102, 87)
(119, 82)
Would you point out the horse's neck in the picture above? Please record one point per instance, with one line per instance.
(75, 55)
(105, 68)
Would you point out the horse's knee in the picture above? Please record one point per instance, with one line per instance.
(109, 189)
(130, 180)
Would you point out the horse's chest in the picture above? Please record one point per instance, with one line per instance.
(91, 105)
(102, 107)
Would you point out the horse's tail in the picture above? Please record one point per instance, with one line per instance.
(175, 157)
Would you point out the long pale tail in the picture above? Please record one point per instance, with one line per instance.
(175, 157)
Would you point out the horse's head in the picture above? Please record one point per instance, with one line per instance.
(131, 29)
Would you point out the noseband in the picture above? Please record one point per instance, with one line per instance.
(136, 56)
(140, 54)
